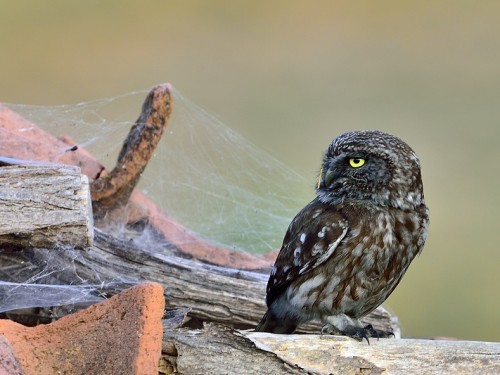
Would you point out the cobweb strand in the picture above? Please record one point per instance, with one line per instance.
(208, 177)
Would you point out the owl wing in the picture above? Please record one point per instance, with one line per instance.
(311, 238)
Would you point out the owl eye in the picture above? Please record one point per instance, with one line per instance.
(356, 162)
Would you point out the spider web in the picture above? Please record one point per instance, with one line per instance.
(204, 174)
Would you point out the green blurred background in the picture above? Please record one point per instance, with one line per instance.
(291, 75)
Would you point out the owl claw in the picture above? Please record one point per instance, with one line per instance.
(329, 329)
(357, 333)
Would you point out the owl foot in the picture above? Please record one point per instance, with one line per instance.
(357, 333)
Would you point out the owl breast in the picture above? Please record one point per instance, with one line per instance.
(366, 266)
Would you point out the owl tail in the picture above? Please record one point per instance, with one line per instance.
(271, 323)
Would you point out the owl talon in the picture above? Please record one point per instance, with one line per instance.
(366, 333)
(357, 333)
(329, 329)
(378, 334)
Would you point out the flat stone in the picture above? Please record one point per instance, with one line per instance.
(122, 335)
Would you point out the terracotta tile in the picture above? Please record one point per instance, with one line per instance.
(122, 335)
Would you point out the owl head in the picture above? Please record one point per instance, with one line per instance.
(370, 167)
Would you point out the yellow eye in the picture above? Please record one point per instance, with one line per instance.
(356, 162)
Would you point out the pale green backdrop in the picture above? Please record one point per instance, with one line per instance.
(291, 75)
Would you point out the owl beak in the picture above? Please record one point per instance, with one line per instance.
(328, 177)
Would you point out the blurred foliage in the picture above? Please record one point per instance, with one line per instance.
(291, 75)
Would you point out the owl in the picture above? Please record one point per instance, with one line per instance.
(346, 251)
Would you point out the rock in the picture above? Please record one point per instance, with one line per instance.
(122, 335)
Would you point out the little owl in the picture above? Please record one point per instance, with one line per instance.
(347, 250)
